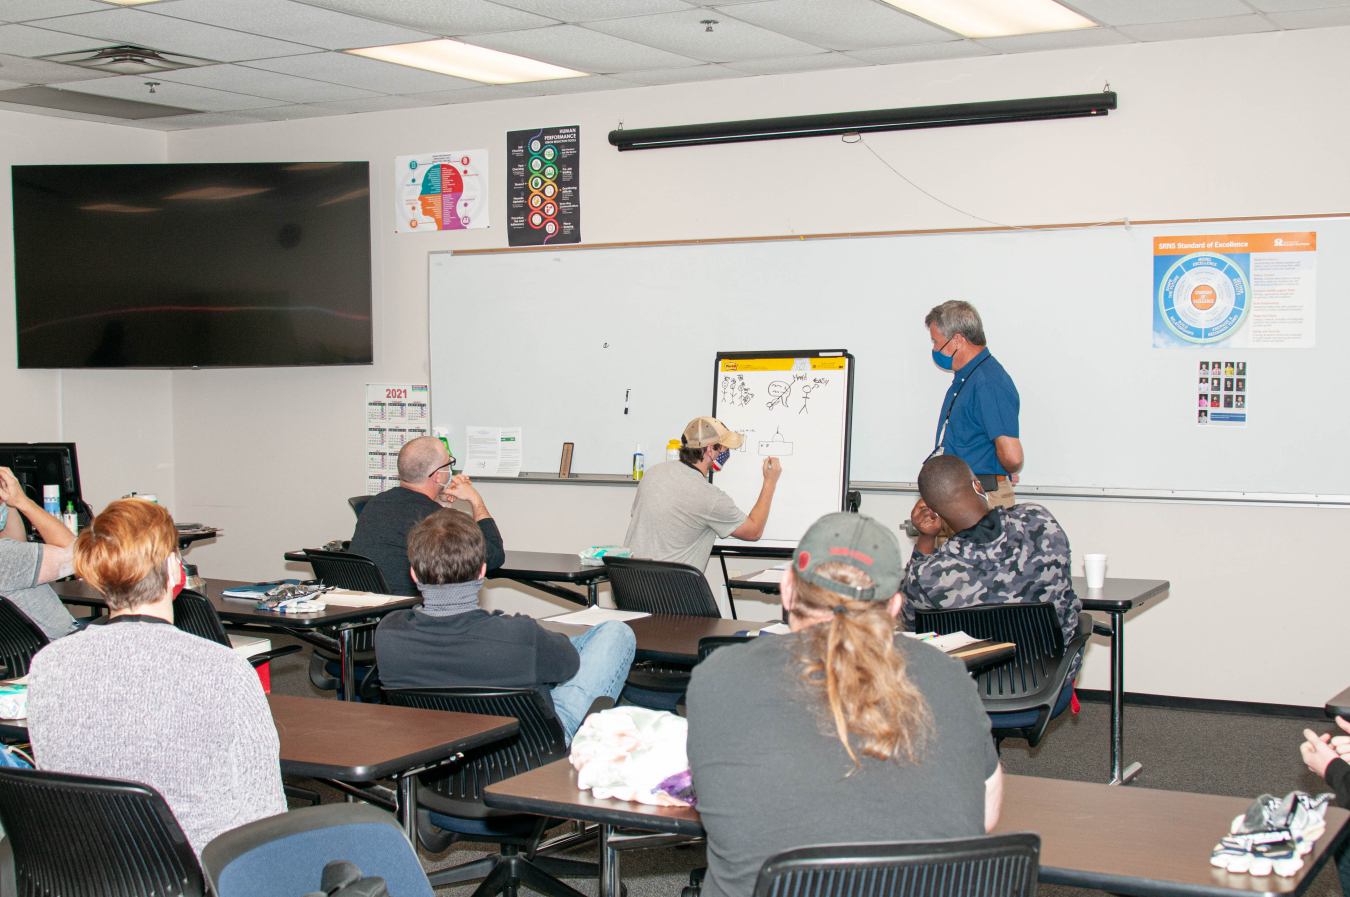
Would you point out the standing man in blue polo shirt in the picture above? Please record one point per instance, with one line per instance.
(978, 422)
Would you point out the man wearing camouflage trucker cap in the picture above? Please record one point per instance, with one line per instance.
(843, 731)
(677, 514)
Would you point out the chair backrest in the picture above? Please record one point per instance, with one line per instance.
(986, 866)
(540, 741)
(345, 570)
(710, 643)
(20, 639)
(192, 612)
(284, 856)
(1034, 628)
(358, 503)
(659, 587)
(80, 836)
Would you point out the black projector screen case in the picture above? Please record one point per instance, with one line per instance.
(192, 265)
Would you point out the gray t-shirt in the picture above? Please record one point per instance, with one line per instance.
(678, 514)
(772, 776)
(20, 564)
(151, 703)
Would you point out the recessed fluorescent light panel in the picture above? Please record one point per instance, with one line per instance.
(452, 57)
(131, 2)
(996, 18)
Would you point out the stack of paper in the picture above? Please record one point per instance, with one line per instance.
(773, 574)
(594, 616)
(954, 641)
(348, 598)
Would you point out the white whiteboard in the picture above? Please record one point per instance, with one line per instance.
(794, 409)
(550, 341)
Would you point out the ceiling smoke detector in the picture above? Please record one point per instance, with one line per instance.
(128, 60)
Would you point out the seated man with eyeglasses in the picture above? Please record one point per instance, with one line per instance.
(426, 485)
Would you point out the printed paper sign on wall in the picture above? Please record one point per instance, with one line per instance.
(1223, 394)
(1238, 291)
(441, 191)
(545, 186)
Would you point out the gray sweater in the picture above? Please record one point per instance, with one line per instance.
(153, 704)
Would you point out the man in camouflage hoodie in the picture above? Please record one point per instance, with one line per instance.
(1016, 555)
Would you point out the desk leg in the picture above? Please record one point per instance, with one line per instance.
(592, 593)
(348, 663)
(610, 880)
(1118, 703)
(726, 580)
(407, 807)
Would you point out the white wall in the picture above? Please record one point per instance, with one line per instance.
(1208, 128)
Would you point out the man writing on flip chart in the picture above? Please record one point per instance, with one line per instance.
(978, 421)
(678, 514)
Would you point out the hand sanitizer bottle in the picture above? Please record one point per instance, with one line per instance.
(638, 462)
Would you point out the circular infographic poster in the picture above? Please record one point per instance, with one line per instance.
(441, 191)
(1203, 297)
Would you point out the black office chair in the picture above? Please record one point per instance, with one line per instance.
(194, 614)
(986, 866)
(79, 836)
(658, 587)
(345, 570)
(358, 503)
(1020, 694)
(451, 808)
(20, 639)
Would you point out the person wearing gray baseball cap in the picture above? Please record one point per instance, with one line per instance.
(842, 731)
(677, 514)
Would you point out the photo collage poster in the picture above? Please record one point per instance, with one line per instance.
(1223, 394)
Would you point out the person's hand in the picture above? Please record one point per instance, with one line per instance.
(11, 491)
(1341, 743)
(1316, 752)
(1015, 478)
(772, 470)
(925, 519)
(460, 488)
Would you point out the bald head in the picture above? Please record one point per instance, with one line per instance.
(948, 487)
(420, 458)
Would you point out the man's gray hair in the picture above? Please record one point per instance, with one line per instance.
(956, 317)
(419, 459)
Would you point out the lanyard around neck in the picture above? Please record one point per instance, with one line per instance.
(942, 432)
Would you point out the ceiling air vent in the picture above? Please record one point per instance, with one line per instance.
(128, 60)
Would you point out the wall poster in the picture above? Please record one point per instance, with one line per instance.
(544, 186)
(441, 191)
(1223, 394)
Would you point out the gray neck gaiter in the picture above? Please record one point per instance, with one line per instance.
(450, 598)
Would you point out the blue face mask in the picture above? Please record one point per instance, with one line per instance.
(721, 458)
(943, 361)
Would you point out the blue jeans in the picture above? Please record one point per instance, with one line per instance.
(606, 655)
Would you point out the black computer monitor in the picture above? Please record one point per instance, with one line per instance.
(38, 464)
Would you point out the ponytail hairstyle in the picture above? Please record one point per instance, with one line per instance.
(853, 658)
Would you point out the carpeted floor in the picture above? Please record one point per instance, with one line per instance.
(1214, 753)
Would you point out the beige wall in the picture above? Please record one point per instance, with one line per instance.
(1206, 128)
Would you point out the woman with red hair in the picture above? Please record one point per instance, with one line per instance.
(138, 698)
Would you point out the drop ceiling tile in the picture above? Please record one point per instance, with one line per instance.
(1056, 40)
(292, 21)
(684, 33)
(1287, 5)
(205, 120)
(169, 93)
(371, 104)
(9, 85)
(25, 40)
(41, 71)
(952, 49)
(24, 10)
(1198, 28)
(467, 95)
(444, 17)
(683, 75)
(289, 112)
(568, 85)
(848, 24)
(1143, 12)
(1312, 18)
(260, 83)
(790, 64)
(63, 113)
(137, 26)
(595, 10)
(583, 49)
(358, 71)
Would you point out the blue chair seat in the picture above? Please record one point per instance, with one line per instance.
(1028, 717)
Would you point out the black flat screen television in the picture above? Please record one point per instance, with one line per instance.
(192, 265)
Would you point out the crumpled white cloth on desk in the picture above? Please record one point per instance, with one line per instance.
(626, 752)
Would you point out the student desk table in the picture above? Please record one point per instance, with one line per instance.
(1135, 841)
(242, 615)
(1339, 705)
(358, 743)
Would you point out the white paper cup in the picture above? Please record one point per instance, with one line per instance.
(1094, 567)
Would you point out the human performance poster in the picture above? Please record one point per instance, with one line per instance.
(544, 186)
(1238, 291)
(440, 191)
(1223, 394)
(395, 414)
